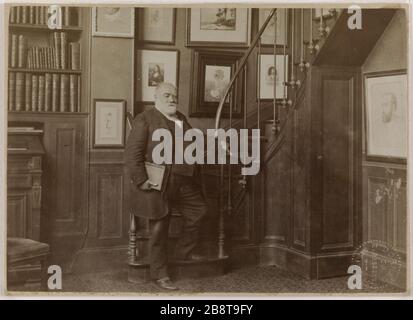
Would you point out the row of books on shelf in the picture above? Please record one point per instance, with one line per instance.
(48, 92)
(60, 54)
(40, 14)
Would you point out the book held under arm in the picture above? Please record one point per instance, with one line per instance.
(156, 173)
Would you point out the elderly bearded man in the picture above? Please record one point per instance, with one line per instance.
(180, 187)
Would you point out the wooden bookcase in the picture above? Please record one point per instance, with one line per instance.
(65, 169)
(37, 44)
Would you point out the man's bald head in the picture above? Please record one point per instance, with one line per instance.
(166, 98)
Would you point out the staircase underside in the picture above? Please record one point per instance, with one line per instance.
(354, 45)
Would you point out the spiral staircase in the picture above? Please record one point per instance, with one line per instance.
(319, 44)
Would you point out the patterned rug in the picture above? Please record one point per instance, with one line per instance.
(250, 280)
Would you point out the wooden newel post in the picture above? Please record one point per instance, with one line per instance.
(132, 240)
(221, 224)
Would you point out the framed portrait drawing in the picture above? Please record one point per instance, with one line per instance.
(157, 25)
(109, 123)
(211, 74)
(386, 105)
(225, 27)
(268, 74)
(113, 22)
(154, 67)
(268, 36)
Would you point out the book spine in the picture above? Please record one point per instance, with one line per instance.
(64, 92)
(12, 16)
(19, 14)
(35, 92)
(48, 90)
(12, 90)
(39, 58)
(19, 91)
(78, 93)
(35, 57)
(75, 55)
(56, 42)
(31, 15)
(38, 21)
(63, 50)
(29, 64)
(53, 58)
(24, 14)
(66, 16)
(41, 95)
(14, 49)
(44, 58)
(28, 92)
(22, 52)
(55, 91)
(73, 93)
(41, 13)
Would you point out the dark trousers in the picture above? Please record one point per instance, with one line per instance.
(186, 196)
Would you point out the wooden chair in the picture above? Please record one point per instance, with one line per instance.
(22, 252)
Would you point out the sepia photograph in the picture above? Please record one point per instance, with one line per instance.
(386, 114)
(155, 67)
(270, 76)
(157, 25)
(220, 27)
(196, 152)
(268, 37)
(211, 73)
(218, 19)
(113, 22)
(216, 81)
(109, 123)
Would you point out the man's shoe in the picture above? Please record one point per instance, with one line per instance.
(165, 283)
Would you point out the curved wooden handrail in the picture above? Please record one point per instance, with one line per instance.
(240, 67)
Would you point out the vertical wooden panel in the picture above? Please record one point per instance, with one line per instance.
(301, 164)
(278, 195)
(110, 206)
(377, 209)
(108, 217)
(337, 158)
(65, 173)
(400, 219)
(17, 215)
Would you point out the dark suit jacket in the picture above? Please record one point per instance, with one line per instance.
(139, 146)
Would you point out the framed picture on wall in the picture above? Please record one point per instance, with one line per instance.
(211, 74)
(386, 105)
(157, 25)
(154, 67)
(109, 123)
(225, 27)
(268, 36)
(268, 75)
(113, 22)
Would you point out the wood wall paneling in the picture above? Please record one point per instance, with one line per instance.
(18, 218)
(337, 174)
(64, 182)
(301, 144)
(108, 217)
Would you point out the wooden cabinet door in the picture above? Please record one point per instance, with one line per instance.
(66, 176)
